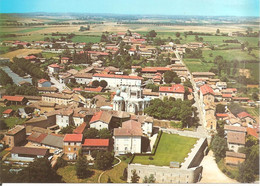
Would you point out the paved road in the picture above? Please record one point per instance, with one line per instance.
(211, 173)
(57, 84)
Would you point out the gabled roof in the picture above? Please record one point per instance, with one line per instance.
(97, 89)
(205, 89)
(175, 88)
(234, 128)
(42, 80)
(54, 66)
(36, 137)
(242, 115)
(80, 129)
(29, 151)
(53, 140)
(235, 154)
(236, 137)
(252, 132)
(222, 115)
(96, 143)
(73, 138)
(8, 111)
(129, 128)
(15, 130)
(227, 95)
(13, 98)
(101, 116)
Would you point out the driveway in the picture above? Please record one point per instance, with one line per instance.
(211, 173)
(57, 84)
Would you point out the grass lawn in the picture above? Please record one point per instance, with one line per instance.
(3, 49)
(114, 174)
(12, 121)
(228, 55)
(79, 67)
(172, 147)
(68, 174)
(30, 29)
(254, 69)
(253, 111)
(14, 107)
(86, 39)
(49, 55)
(195, 65)
(4, 152)
(252, 41)
(231, 171)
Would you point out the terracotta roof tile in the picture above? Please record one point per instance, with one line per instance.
(129, 128)
(118, 76)
(175, 88)
(36, 137)
(96, 142)
(236, 137)
(73, 138)
(242, 115)
(80, 129)
(30, 151)
(252, 132)
(8, 111)
(101, 116)
(13, 98)
(205, 89)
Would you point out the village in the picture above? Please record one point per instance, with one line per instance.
(86, 104)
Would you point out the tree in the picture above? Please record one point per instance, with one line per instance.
(220, 108)
(187, 83)
(249, 50)
(177, 34)
(177, 80)
(168, 76)
(104, 160)
(91, 133)
(134, 178)
(152, 33)
(105, 134)
(145, 180)
(82, 170)
(61, 163)
(103, 83)
(67, 130)
(255, 96)
(219, 147)
(95, 83)
(151, 179)
(39, 171)
(246, 173)
(217, 31)
(3, 125)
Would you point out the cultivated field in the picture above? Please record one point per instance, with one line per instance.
(172, 147)
(20, 53)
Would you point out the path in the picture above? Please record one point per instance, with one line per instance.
(99, 178)
(211, 173)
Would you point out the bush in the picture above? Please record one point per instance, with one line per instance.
(123, 158)
(150, 158)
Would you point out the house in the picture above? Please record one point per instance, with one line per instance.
(100, 120)
(206, 94)
(240, 99)
(54, 68)
(221, 116)
(95, 144)
(119, 80)
(15, 136)
(43, 90)
(147, 124)
(50, 141)
(80, 129)
(71, 145)
(83, 78)
(176, 90)
(226, 97)
(97, 89)
(234, 158)
(57, 98)
(14, 100)
(252, 132)
(7, 113)
(127, 139)
(44, 83)
(235, 140)
(203, 74)
(28, 154)
(64, 60)
(221, 85)
(64, 117)
(246, 118)
(232, 128)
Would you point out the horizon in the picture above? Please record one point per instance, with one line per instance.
(211, 8)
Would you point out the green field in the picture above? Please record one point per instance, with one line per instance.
(228, 55)
(172, 147)
(252, 41)
(49, 55)
(195, 65)
(3, 49)
(86, 39)
(68, 174)
(31, 29)
(114, 174)
(253, 111)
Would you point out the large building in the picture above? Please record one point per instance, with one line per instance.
(128, 138)
(176, 90)
(119, 80)
(15, 136)
(130, 100)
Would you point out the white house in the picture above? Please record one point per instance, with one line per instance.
(147, 125)
(64, 118)
(54, 68)
(128, 138)
(100, 120)
(28, 154)
(119, 80)
(221, 85)
(83, 78)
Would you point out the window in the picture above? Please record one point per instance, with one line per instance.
(69, 149)
(75, 149)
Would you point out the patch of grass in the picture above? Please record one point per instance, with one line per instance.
(3, 49)
(12, 121)
(195, 65)
(49, 55)
(114, 173)
(230, 171)
(80, 67)
(68, 174)
(14, 107)
(4, 152)
(172, 147)
(253, 111)
(30, 29)
(252, 41)
(86, 39)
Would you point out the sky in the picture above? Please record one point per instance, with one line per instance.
(146, 7)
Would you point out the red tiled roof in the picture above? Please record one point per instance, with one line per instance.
(80, 129)
(222, 115)
(232, 89)
(129, 128)
(227, 95)
(98, 89)
(65, 58)
(118, 76)
(252, 132)
(96, 142)
(77, 89)
(30, 57)
(242, 115)
(30, 151)
(42, 80)
(8, 111)
(13, 98)
(236, 137)
(73, 137)
(155, 69)
(54, 66)
(136, 67)
(36, 137)
(205, 89)
(175, 88)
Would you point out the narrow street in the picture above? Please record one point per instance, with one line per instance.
(57, 84)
